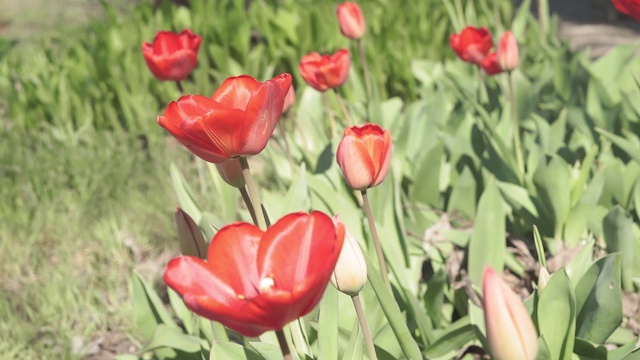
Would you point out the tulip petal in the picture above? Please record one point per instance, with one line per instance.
(235, 92)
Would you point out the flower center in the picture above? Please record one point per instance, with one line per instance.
(266, 284)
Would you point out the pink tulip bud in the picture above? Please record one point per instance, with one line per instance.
(510, 331)
(350, 273)
(507, 53)
(351, 20)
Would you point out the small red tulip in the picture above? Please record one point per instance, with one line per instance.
(255, 281)
(507, 52)
(363, 155)
(172, 56)
(351, 20)
(490, 64)
(324, 72)
(510, 331)
(628, 7)
(236, 121)
(472, 44)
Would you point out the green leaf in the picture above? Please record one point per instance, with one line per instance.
(619, 236)
(227, 350)
(488, 240)
(426, 189)
(517, 197)
(328, 325)
(588, 350)
(599, 300)
(149, 309)
(185, 197)
(267, 351)
(453, 338)
(551, 180)
(463, 194)
(580, 262)
(556, 316)
(167, 337)
(629, 147)
(354, 349)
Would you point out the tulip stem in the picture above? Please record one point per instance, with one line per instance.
(365, 68)
(247, 201)
(365, 327)
(515, 125)
(180, 88)
(282, 340)
(332, 120)
(376, 240)
(343, 107)
(253, 193)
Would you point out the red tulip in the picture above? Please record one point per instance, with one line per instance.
(490, 64)
(507, 52)
(510, 331)
(255, 281)
(324, 72)
(472, 44)
(289, 100)
(363, 155)
(172, 56)
(236, 121)
(351, 20)
(628, 7)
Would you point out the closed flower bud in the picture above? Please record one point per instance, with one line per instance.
(350, 273)
(189, 236)
(543, 278)
(351, 20)
(510, 331)
(507, 53)
(231, 172)
(363, 155)
(490, 64)
(324, 72)
(172, 56)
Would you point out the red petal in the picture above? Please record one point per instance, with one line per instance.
(235, 92)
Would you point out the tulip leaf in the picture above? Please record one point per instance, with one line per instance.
(488, 240)
(588, 350)
(624, 352)
(392, 313)
(619, 236)
(185, 195)
(629, 147)
(228, 350)
(517, 197)
(426, 188)
(463, 194)
(328, 325)
(556, 315)
(149, 309)
(599, 300)
(186, 346)
(580, 262)
(354, 350)
(551, 181)
(452, 339)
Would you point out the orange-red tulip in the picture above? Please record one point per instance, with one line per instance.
(628, 7)
(236, 121)
(507, 52)
(472, 44)
(364, 154)
(324, 72)
(510, 331)
(255, 281)
(172, 56)
(351, 20)
(490, 64)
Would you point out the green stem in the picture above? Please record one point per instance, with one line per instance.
(282, 340)
(376, 240)
(343, 107)
(253, 193)
(332, 120)
(365, 327)
(365, 68)
(247, 201)
(515, 128)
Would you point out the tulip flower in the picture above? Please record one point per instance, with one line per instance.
(172, 56)
(231, 172)
(507, 52)
(236, 121)
(490, 64)
(363, 155)
(289, 100)
(255, 281)
(350, 273)
(628, 7)
(351, 20)
(472, 44)
(510, 331)
(324, 72)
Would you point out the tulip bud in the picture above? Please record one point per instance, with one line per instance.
(350, 273)
(543, 278)
(231, 172)
(351, 20)
(510, 331)
(508, 52)
(189, 235)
